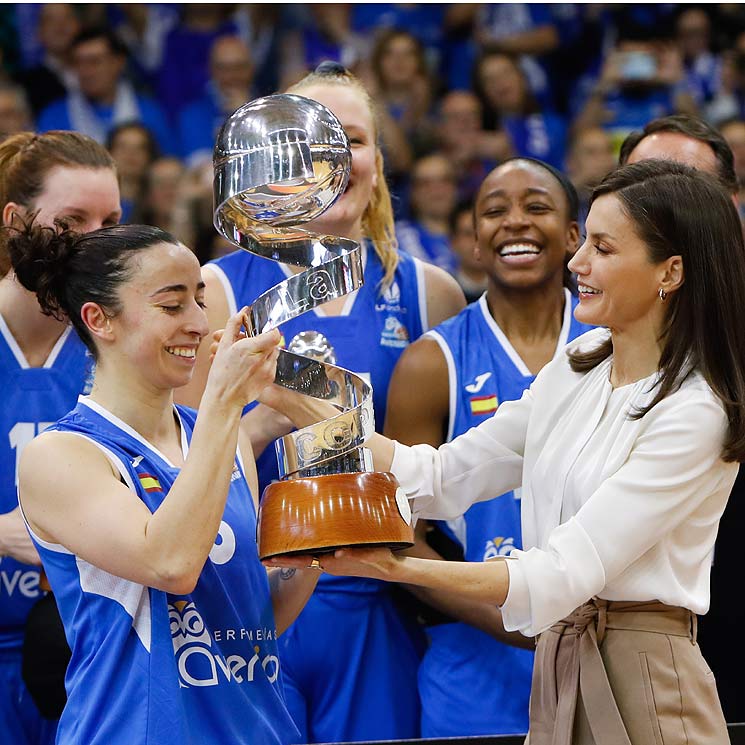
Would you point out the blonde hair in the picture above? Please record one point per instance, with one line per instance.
(377, 219)
(26, 159)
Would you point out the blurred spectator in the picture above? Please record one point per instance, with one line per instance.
(15, 113)
(401, 84)
(701, 66)
(184, 70)
(472, 152)
(325, 34)
(54, 77)
(133, 149)
(230, 86)
(432, 199)
(105, 97)
(524, 30)
(685, 139)
(143, 28)
(470, 274)
(261, 26)
(590, 159)
(509, 105)
(733, 132)
(180, 202)
(729, 100)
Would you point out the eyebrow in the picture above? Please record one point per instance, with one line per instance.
(176, 288)
(530, 190)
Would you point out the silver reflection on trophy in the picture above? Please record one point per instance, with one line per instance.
(279, 162)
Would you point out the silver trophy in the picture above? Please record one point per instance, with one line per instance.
(279, 162)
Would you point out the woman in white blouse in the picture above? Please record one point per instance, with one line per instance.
(626, 449)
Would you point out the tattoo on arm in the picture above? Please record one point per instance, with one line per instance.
(286, 573)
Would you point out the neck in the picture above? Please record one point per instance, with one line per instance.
(636, 352)
(148, 411)
(129, 188)
(527, 315)
(35, 333)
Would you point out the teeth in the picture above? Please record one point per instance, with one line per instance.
(584, 289)
(189, 352)
(516, 249)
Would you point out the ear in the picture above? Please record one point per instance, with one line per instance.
(572, 239)
(97, 321)
(10, 210)
(672, 276)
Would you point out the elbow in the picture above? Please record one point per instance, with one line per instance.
(176, 579)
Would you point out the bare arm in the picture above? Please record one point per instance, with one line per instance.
(14, 539)
(76, 497)
(444, 295)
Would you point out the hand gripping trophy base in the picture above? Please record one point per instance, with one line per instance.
(322, 513)
(281, 161)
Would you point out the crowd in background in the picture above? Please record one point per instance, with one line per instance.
(460, 87)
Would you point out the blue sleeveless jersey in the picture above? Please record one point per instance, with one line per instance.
(33, 398)
(351, 657)
(470, 683)
(368, 337)
(149, 667)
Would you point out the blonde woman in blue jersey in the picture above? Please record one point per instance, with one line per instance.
(338, 683)
(144, 513)
(43, 367)
(454, 378)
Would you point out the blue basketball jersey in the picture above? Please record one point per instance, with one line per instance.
(33, 398)
(150, 667)
(368, 337)
(470, 683)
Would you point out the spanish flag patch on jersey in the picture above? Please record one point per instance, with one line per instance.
(149, 483)
(483, 404)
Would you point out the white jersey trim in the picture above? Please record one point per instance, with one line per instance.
(452, 380)
(106, 414)
(226, 286)
(10, 340)
(421, 291)
(132, 596)
(501, 337)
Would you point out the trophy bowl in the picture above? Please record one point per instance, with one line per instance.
(279, 162)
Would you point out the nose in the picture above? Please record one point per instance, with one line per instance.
(515, 218)
(196, 321)
(579, 262)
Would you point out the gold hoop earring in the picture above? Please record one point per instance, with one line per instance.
(662, 294)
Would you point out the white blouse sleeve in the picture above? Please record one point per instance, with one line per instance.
(480, 464)
(674, 466)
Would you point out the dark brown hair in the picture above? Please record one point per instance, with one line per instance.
(66, 269)
(680, 211)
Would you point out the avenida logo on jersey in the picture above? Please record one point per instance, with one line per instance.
(498, 546)
(199, 661)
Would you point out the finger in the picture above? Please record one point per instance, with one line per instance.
(232, 328)
(263, 344)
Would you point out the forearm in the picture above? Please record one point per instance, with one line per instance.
(290, 590)
(486, 582)
(182, 530)
(14, 539)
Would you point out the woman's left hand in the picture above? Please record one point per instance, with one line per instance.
(375, 563)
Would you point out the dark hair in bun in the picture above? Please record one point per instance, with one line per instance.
(65, 269)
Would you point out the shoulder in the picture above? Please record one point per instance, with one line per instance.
(423, 358)
(58, 454)
(444, 295)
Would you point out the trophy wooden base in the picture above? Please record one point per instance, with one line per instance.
(322, 513)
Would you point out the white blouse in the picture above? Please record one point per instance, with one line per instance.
(620, 508)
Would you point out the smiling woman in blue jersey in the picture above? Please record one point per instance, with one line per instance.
(144, 513)
(454, 378)
(43, 367)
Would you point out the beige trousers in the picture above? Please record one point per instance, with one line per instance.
(623, 673)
